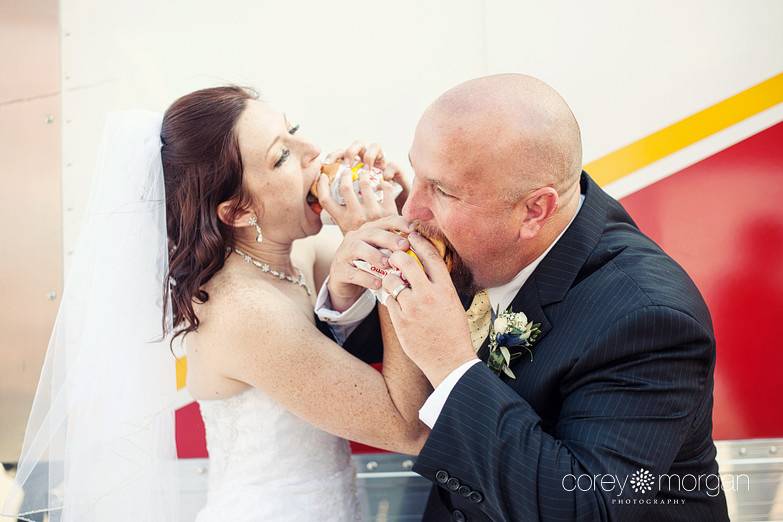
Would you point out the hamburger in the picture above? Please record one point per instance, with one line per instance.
(335, 171)
(380, 272)
(331, 170)
(440, 245)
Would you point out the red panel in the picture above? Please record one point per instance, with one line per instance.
(358, 447)
(722, 220)
(191, 443)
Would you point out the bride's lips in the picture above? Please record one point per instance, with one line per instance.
(310, 199)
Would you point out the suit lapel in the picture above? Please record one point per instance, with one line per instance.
(483, 350)
(557, 272)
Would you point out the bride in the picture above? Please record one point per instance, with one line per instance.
(240, 251)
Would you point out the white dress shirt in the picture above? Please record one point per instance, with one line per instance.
(343, 323)
(500, 297)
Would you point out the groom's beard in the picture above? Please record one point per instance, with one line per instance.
(461, 275)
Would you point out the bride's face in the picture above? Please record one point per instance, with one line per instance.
(279, 168)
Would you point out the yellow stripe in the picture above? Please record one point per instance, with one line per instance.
(668, 140)
(182, 372)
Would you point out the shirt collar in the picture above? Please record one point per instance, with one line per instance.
(500, 297)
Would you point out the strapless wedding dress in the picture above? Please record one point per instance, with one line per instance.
(266, 464)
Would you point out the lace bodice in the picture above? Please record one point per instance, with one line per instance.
(267, 464)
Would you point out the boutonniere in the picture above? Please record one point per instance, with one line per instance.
(509, 336)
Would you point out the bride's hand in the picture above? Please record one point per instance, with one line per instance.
(354, 213)
(373, 155)
(346, 282)
(394, 173)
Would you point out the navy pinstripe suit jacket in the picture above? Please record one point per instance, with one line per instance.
(621, 381)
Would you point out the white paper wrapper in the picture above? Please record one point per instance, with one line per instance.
(379, 273)
(375, 178)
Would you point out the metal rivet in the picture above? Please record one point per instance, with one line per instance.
(372, 465)
(67, 34)
(407, 464)
(201, 470)
(773, 449)
(67, 77)
(743, 451)
(51, 295)
(69, 209)
(69, 253)
(69, 164)
(49, 119)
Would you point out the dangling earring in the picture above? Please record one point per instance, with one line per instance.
(254, 223)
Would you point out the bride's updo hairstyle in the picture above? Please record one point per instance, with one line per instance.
(202, 168)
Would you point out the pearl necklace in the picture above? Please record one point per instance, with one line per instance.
(274, 273)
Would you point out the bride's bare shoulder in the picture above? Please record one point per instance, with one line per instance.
(240, 317)
(232, 293)
(239, 306)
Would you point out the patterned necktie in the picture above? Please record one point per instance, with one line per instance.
(479, 316)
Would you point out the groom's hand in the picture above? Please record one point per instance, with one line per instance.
(346, 282)
(428, 316)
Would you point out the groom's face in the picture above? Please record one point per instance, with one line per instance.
(458, 191)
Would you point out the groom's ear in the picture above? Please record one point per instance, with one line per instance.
(233, 214)
(539, 206)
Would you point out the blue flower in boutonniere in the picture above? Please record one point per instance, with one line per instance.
(509, 335)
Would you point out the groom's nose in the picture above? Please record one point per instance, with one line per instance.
(417, 205)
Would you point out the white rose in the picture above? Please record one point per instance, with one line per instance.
(500, 325)
(522, 318)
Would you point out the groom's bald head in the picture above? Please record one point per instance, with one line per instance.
(497, 164)
(515, 124)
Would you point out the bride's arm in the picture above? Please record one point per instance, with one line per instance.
(408, 387)
(272, 345)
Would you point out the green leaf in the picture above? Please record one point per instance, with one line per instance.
(494, 367)
(508, 372)
(506, 354)
(495, 359)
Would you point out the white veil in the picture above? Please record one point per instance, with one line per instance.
(99, 444)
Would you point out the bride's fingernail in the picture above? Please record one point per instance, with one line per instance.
(402, 243)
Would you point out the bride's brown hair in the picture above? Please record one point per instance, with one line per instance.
(202, 168)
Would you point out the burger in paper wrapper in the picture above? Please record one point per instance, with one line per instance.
(380, 272)
(331, 171)
(334, 171)
(440, 246)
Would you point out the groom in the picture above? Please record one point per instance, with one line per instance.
(606, 412)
